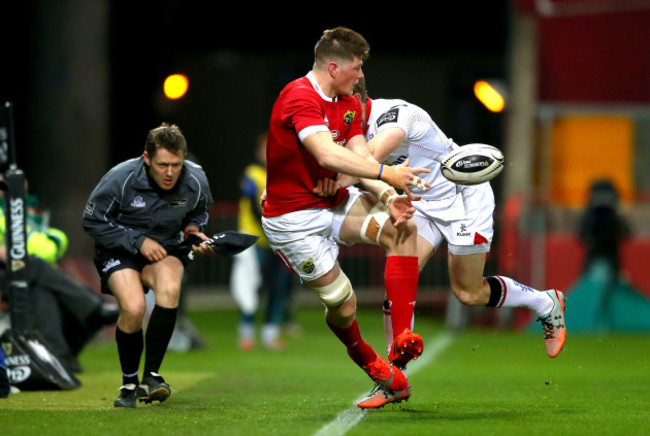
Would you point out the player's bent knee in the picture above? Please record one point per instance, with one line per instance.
(337, 292)
(373, 225)
(342, 315)
(133, 313)
(167, 296)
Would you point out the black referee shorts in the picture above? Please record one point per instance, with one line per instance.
(108, 261)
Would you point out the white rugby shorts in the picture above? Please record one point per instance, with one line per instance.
(465, 221)
(308, 240)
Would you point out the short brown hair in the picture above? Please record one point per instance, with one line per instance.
(168, 137)
(341, 43)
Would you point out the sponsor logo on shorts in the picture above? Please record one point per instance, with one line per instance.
(308, 266)
(110, 264)
(463, 231)
(349, 117)
(138, 202)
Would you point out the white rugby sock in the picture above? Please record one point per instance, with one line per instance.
(515, 294)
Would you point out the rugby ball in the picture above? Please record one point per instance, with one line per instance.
(472, 164)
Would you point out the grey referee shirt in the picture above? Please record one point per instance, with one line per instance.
(126, 206)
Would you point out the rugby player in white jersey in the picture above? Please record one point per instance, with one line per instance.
(460, 215)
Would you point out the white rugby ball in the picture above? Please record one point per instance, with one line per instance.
(472, 164)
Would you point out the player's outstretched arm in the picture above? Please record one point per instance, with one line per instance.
(402, 176)
(342, 160)
(336, 158)
(383, 144)
(400, 206)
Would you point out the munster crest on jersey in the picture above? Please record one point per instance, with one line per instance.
(349, 117)
(308, 266)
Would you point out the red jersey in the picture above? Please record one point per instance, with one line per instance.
(292, 171)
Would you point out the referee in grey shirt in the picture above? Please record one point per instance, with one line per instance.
(136, 216)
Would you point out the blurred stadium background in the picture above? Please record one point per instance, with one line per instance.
(86, 79)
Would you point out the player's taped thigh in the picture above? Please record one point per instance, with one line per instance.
(374, 223)
(337, 292)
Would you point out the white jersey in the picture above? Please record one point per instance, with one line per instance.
(424, 144)
(461, 215)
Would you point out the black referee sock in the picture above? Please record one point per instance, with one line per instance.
(159, 333)
(496, 291)
(129, 349)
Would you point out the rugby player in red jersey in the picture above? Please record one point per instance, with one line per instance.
(315, 133)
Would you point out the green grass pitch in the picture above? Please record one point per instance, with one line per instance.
(480, 382)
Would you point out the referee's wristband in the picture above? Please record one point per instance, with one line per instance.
(188, 231)
(387, 195)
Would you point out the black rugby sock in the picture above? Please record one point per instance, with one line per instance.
(129, 349)
(159, 333)
(495, 291)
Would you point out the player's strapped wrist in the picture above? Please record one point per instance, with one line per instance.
(391, 175)
(387, 195)
(394, 176)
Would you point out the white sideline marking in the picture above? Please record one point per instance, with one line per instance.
(347, 419)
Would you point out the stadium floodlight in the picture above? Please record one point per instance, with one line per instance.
(491, 93)
(175, 86)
